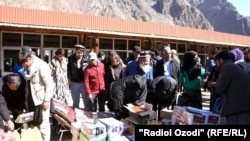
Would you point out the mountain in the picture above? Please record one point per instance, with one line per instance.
(223, 16)
(215, 15)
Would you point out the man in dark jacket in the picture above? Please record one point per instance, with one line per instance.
(77, 62)
(234, 87)
(167, 66)
(130, 89)
(4, 114)
(13, 91)
(164, 93)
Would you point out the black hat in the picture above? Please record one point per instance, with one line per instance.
(137, 49)
(222, 55)
(80, 47)
(27, 49)
(145, 54)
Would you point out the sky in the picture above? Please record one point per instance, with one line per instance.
(242, 6)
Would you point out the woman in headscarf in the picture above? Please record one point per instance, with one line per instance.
(58, 66)
(237, 56)
(189, 78)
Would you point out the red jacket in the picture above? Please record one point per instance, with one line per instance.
(94, 78)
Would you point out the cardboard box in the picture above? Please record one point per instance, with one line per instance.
(140, 114)
(85, 138)
(25, 117)
(193, 116)
(93, 131)
(166, 113)
(114, 127)
(75, 128)
(118, 138)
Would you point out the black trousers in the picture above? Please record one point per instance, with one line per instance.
(99, 102)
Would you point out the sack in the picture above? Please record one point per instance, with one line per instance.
(38, 116)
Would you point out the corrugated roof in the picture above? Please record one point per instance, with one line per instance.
(41, 19)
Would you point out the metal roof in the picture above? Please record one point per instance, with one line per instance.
(41, 19)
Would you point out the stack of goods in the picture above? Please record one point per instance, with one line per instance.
(183, 115)
(59, 106)
(140, 114)
(114, 128)
(93, 130)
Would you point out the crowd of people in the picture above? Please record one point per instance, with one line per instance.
(146, 76)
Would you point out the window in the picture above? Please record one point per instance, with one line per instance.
(33, 40)
(132, 43)
(123, 55)
(159, 45)
(51, 41)
(181, 48)
(192, 47)
(69, 41)
(10, 58)
(147, 44)
(105, 43)
(120, 44)
(173, 46)
(11, 39)
(91, 42)
(202, 49)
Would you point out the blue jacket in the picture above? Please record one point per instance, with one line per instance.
(133, 69)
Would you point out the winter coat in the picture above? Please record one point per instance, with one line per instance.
(130, 89)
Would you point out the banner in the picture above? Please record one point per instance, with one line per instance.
(204, 132)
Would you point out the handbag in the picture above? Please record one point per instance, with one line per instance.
(180, 100)
(38, 116)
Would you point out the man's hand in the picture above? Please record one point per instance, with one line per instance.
(45, 105)
(91, 97)
(10, 125)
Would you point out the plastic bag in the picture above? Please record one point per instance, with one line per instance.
(14, 134)
(31, 134)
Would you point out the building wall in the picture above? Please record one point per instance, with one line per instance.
(45, 42)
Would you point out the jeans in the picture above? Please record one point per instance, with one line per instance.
(77, 88)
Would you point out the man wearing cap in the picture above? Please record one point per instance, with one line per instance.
(77, 63)
(135, 54)
(95, 84)
(39, 88)
(140, 67)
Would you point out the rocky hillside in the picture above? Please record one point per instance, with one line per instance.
(223, 16)
(218, 15)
